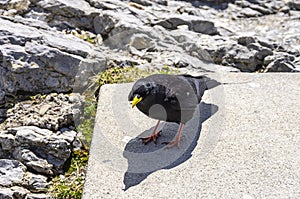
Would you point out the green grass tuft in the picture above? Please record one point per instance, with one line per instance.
(130, 74)
(70, 186)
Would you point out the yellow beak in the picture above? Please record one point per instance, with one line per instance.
(136, 100)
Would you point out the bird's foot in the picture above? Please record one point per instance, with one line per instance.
(176, 141)
(172, 144)
(152, 137)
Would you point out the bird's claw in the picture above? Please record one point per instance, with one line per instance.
(172, 144)
(152, 137)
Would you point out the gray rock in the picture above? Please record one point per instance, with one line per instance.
(119, 27)
(31, 22)
(295, 4)
(241, 58)
(282, 56)
(37, 196)
(68, 13)
(245, 40)
(37, 61)
(14, 7)
(44, 109)
(60, 149)
(79, 141)
(141, 42)
(48, 151)
(52, 82)
(67, 134)
(33, 162)
(13, 192)
(7, 141)
(106, 5)
(143, 2)
(266, 42)
(43, 113)
(41, 150)
(204, 27)
(3, 4)
(248, 12)
(281, 65)
(19, 192)
(261, 9)
(12, 172)
(196, 24)
(6, 193)
(31, 135)
(104, 24)
(35, 182)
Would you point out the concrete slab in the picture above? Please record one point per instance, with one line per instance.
(243, 142)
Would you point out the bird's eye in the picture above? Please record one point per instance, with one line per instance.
(148, 85)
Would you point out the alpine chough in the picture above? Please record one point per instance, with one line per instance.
(171, 98)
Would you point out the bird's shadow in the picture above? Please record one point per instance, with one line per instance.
(146, 159)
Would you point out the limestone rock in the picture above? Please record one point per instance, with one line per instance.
(7, 141)
(195, 24)
(13, 192)
(37, 196)
(43, 150)
(35, 182)
(295, 4)
(12, 172)
(52, 112)
(74, 13)
(281, 66)
(33, 162)
(37, 60)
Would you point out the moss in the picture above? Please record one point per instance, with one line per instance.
(84, 35)
(130, 74)
(87, 124)
(70, 186)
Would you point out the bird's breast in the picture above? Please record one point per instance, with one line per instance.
(160, 109)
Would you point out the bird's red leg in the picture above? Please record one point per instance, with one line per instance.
(176, 141)
(153, 135)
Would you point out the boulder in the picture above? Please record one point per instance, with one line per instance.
(42, 61)
(36, 183)
(13, 192)
(12, 172)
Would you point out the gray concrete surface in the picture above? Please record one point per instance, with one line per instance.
(243, 142)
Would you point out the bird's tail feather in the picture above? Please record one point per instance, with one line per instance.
(209, 82)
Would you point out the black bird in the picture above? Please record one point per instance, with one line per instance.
(171, 98)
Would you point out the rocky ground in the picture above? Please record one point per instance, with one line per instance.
(55, 47)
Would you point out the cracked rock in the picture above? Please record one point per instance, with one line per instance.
(12, 172)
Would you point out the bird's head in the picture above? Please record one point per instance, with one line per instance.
(140, 90)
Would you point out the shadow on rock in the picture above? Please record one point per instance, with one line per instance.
(146, 159)
(216, 4)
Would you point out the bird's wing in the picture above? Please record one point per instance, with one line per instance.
(170, 95)
(181, 97)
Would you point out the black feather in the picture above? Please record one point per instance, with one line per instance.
(171, 98)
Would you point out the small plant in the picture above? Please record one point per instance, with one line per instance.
(70, 186)
(130, 74)
(87, 124)
(84, 35)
